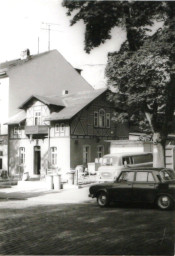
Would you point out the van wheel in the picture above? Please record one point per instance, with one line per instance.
(103, 199)
(164, 202)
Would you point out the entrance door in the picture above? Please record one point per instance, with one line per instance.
(37, 160)
(86, 154)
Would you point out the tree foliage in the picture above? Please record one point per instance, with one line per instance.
(141, 75)
(100, 17)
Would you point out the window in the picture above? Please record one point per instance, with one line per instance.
(100, 151)
(150, 177)
(53, 157)
(37, 118)
(95, 119)
(141, 176)
(127, 160)
(143, 159)
(57, 128)
(17, 130)
(126, 177)
(60, 129)
(108, 120)
(101, 118)
(144, 177)
(21, 155)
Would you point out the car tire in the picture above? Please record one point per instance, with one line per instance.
(103, 199)
(164, 202)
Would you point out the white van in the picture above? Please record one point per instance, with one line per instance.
(113, 164)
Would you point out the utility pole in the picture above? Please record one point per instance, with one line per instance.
(49, 29)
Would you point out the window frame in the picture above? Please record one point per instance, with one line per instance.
(60, 129)
(102, 152)
(16, 130)
(127, 180)
(108, 118)
(22, 155)
(53, 156)
(148, 172)
(96, 118)
(102, 118)
(37, 117)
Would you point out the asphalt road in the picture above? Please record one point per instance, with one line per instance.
(85, 229)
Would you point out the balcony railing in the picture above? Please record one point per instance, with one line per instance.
(36, 129)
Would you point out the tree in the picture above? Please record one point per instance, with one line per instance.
(141, 75)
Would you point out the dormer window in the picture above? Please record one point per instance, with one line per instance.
(37, 118)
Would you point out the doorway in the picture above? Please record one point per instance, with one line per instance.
(86, 154)
(37, 160)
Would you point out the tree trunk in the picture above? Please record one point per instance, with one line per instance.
(158, 151)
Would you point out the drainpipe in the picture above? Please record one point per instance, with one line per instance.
(8, 149)
(48, 147)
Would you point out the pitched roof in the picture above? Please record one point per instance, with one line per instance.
(18, 118)
(43, 74)
(4, 66)
(54, 100)
(74, 103)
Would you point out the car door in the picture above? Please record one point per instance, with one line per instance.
(144, 187)
(122, 188)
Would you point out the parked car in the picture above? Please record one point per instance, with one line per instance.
(148, 185)
(113, 164)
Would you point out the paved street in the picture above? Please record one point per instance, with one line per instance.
(53, 223)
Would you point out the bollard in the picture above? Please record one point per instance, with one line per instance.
(57, 182)
(49, 182)
(70, 178)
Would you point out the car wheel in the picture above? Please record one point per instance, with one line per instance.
(164, 202)
(102, 199)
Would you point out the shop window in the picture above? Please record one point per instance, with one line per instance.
(108, 120)
(53, 157)
(21, 155)
(101, 118)
(100, 151)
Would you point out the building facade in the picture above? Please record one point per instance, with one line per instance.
(61, 133)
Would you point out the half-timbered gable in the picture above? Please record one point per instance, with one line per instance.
(94, 120)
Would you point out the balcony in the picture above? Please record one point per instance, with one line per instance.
(36, 129)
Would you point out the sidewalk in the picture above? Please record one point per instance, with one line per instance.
(27, 194)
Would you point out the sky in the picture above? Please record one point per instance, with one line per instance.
(23, 23)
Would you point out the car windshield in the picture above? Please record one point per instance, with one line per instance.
(166, 175)
(109, 161)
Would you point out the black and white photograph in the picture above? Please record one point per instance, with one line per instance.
(87, 127)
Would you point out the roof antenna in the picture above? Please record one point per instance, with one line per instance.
(48, 28)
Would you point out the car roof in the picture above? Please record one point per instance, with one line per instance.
(146, 169)
(128, 154)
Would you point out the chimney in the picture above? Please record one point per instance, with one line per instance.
(65, 92)
(25, 54)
